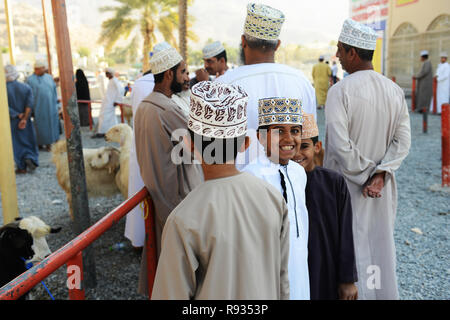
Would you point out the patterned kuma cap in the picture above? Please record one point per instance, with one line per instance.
(212, 49)
(218, 110)
(309, 128)
(279, 111)
(358, 35)
(263, 22)
(164, 57)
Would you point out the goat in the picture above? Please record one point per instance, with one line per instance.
(122, 134)
(101, 166)
(21, 242)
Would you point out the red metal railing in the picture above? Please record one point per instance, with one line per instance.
(71, 252)
(445, 128)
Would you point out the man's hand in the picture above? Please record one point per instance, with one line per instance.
(202, 75)
(22, 124)
(374, 186)
(347, 291)
(20, 115)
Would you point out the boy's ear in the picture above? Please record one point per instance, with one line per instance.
(188, 142)
(318, 147)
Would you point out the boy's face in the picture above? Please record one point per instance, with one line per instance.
(282, 142)
(305, 156)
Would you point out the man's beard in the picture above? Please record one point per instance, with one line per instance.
(176, 87)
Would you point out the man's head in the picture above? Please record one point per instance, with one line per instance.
(169, 69)
(215, 58)
(11, 73)
(109, 73)
(39, 68)
(321, 58)
(424, 54)
(356, 45)
(217, 122)
(310, 147)
(280, 128)
(261, 31)
(444, 57)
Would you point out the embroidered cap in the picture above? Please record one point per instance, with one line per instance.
(309, 128)
(279, 111)
(424, 53)
(164, 57)
(263, 22)
(444, 54)
(358, 35)
(218, 110)
(212, 49)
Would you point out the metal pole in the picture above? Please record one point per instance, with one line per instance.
(80, 203)
(413, 95)
(445, 127)
(434, 95)
(49, 57)
(8, 188)
(10, 30)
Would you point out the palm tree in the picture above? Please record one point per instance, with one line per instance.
(143, 17)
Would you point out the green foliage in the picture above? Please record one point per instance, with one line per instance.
(84, 52)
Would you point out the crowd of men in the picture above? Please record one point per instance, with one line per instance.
(242, 210)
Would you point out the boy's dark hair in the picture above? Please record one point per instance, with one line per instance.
(160, 76)
(315, 140)
(223, 54)
(365, 55)
(222, 150)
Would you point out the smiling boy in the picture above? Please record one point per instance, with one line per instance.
(331, 259)
(279, 132)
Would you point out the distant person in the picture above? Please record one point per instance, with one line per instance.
(114, 95)
(135, 223)
(424, 78)
(45, 106)
(367, 138)
(228, 239)
(331, 253)
(321, 74)
(215, 62)
(101, 80)
(83, 93)
(20, 103)
(334, 71)
(443, 83)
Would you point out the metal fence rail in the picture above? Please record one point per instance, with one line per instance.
(71, 252)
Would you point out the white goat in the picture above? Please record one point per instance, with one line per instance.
(123, 135)
(100, 165)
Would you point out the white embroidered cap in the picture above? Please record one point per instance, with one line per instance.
(358, 35)
(110, 70)
(212, 49)
(279, 111)
(164, 57)
(218, 110)
(444, 54)
(309, 127)
(263, 22)
(40, 64)
(424, 53)
(11, 73)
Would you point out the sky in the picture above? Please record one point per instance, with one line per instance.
(307, 21)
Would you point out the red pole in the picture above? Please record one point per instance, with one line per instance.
(434, 95)
(75, 270)
(394, 79)
(413, 95)
(121, 112)
(445, 125)
(150, 243)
